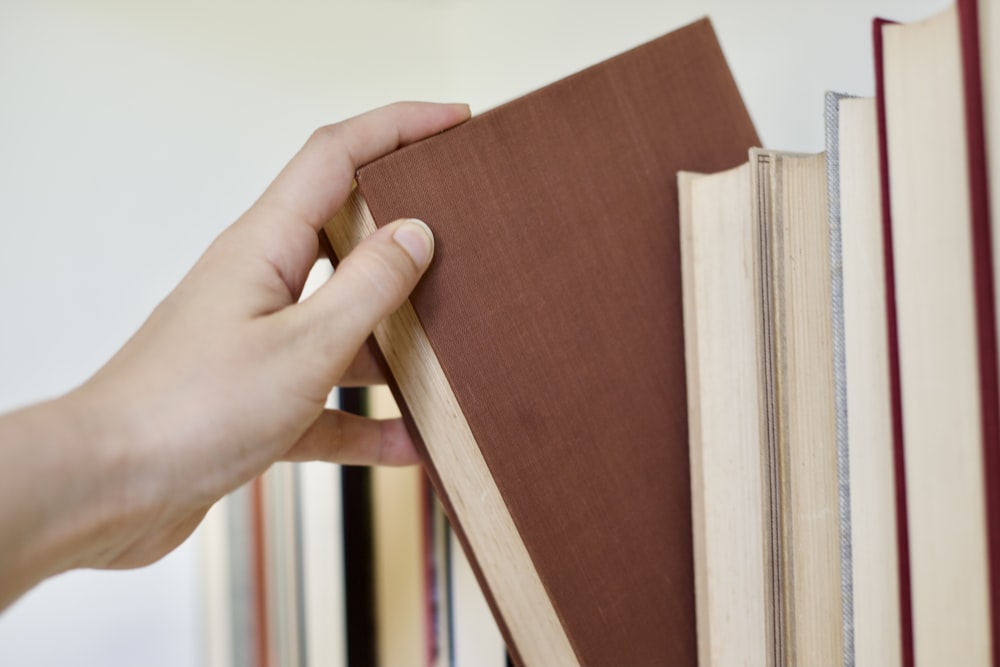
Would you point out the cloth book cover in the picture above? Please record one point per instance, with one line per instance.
(540, 362)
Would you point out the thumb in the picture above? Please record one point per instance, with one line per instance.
(369, 284)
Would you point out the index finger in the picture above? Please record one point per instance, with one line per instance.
(319, 178)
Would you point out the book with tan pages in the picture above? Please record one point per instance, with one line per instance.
(734, 589)
(540, 362)
(761, 394)
(873, 549)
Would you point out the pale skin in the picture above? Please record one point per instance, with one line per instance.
(229, 374)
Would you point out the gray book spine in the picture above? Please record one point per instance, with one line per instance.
(832, 117)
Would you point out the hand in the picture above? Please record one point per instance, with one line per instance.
(230, 373)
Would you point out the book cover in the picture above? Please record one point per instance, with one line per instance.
(737, 594)
(873, 543)
(541, 360)
(892, 340)
(976, 20)
(945, 336)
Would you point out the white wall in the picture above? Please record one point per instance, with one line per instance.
(132, 132)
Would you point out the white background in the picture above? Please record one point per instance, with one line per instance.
(131, 133)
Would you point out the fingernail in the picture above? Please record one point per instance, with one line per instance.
(416, 238)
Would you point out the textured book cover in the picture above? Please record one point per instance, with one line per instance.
(541, 360)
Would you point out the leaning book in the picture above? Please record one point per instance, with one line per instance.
(540, 363)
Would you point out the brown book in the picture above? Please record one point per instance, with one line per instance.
(541, 360)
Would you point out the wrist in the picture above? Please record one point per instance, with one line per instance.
(64, 480)
(116, 490)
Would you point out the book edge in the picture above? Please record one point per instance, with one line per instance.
(530, 624)
(902, 534)
(832, 136)
(985, 303)
(702, 23)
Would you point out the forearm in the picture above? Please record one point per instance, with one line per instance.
(228, 375)
(56, 474)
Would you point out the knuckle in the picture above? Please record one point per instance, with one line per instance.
(327, 134)
(334, 142)
(387, 271)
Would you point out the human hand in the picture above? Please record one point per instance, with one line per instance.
(230, 373)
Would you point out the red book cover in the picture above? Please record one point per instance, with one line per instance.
(982, 266)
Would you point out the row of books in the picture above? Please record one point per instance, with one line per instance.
(316, 564)
(840, 312)
(685, 399)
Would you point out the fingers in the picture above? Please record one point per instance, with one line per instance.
(364, 370)
(340, 437)
(318, 179)
(369, 284)
(281, 227)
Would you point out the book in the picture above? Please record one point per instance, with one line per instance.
(831, 126)
(439, 575)
(557, 269)
(758, 325)
(216, 585)
(284, 586)
(239, 613)
(359, 548)
(796, 327)
(941, 281)
(730, 511)
(325, 625)
(476, 639)
(979, 33)
(984, 19)
(873, 541)
(405, 628)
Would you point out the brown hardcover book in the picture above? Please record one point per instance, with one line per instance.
(541, 360)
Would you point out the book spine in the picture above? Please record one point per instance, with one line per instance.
(902, 530)
(259, 567)
(832, 105)
(432, 474)
(359, 557)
